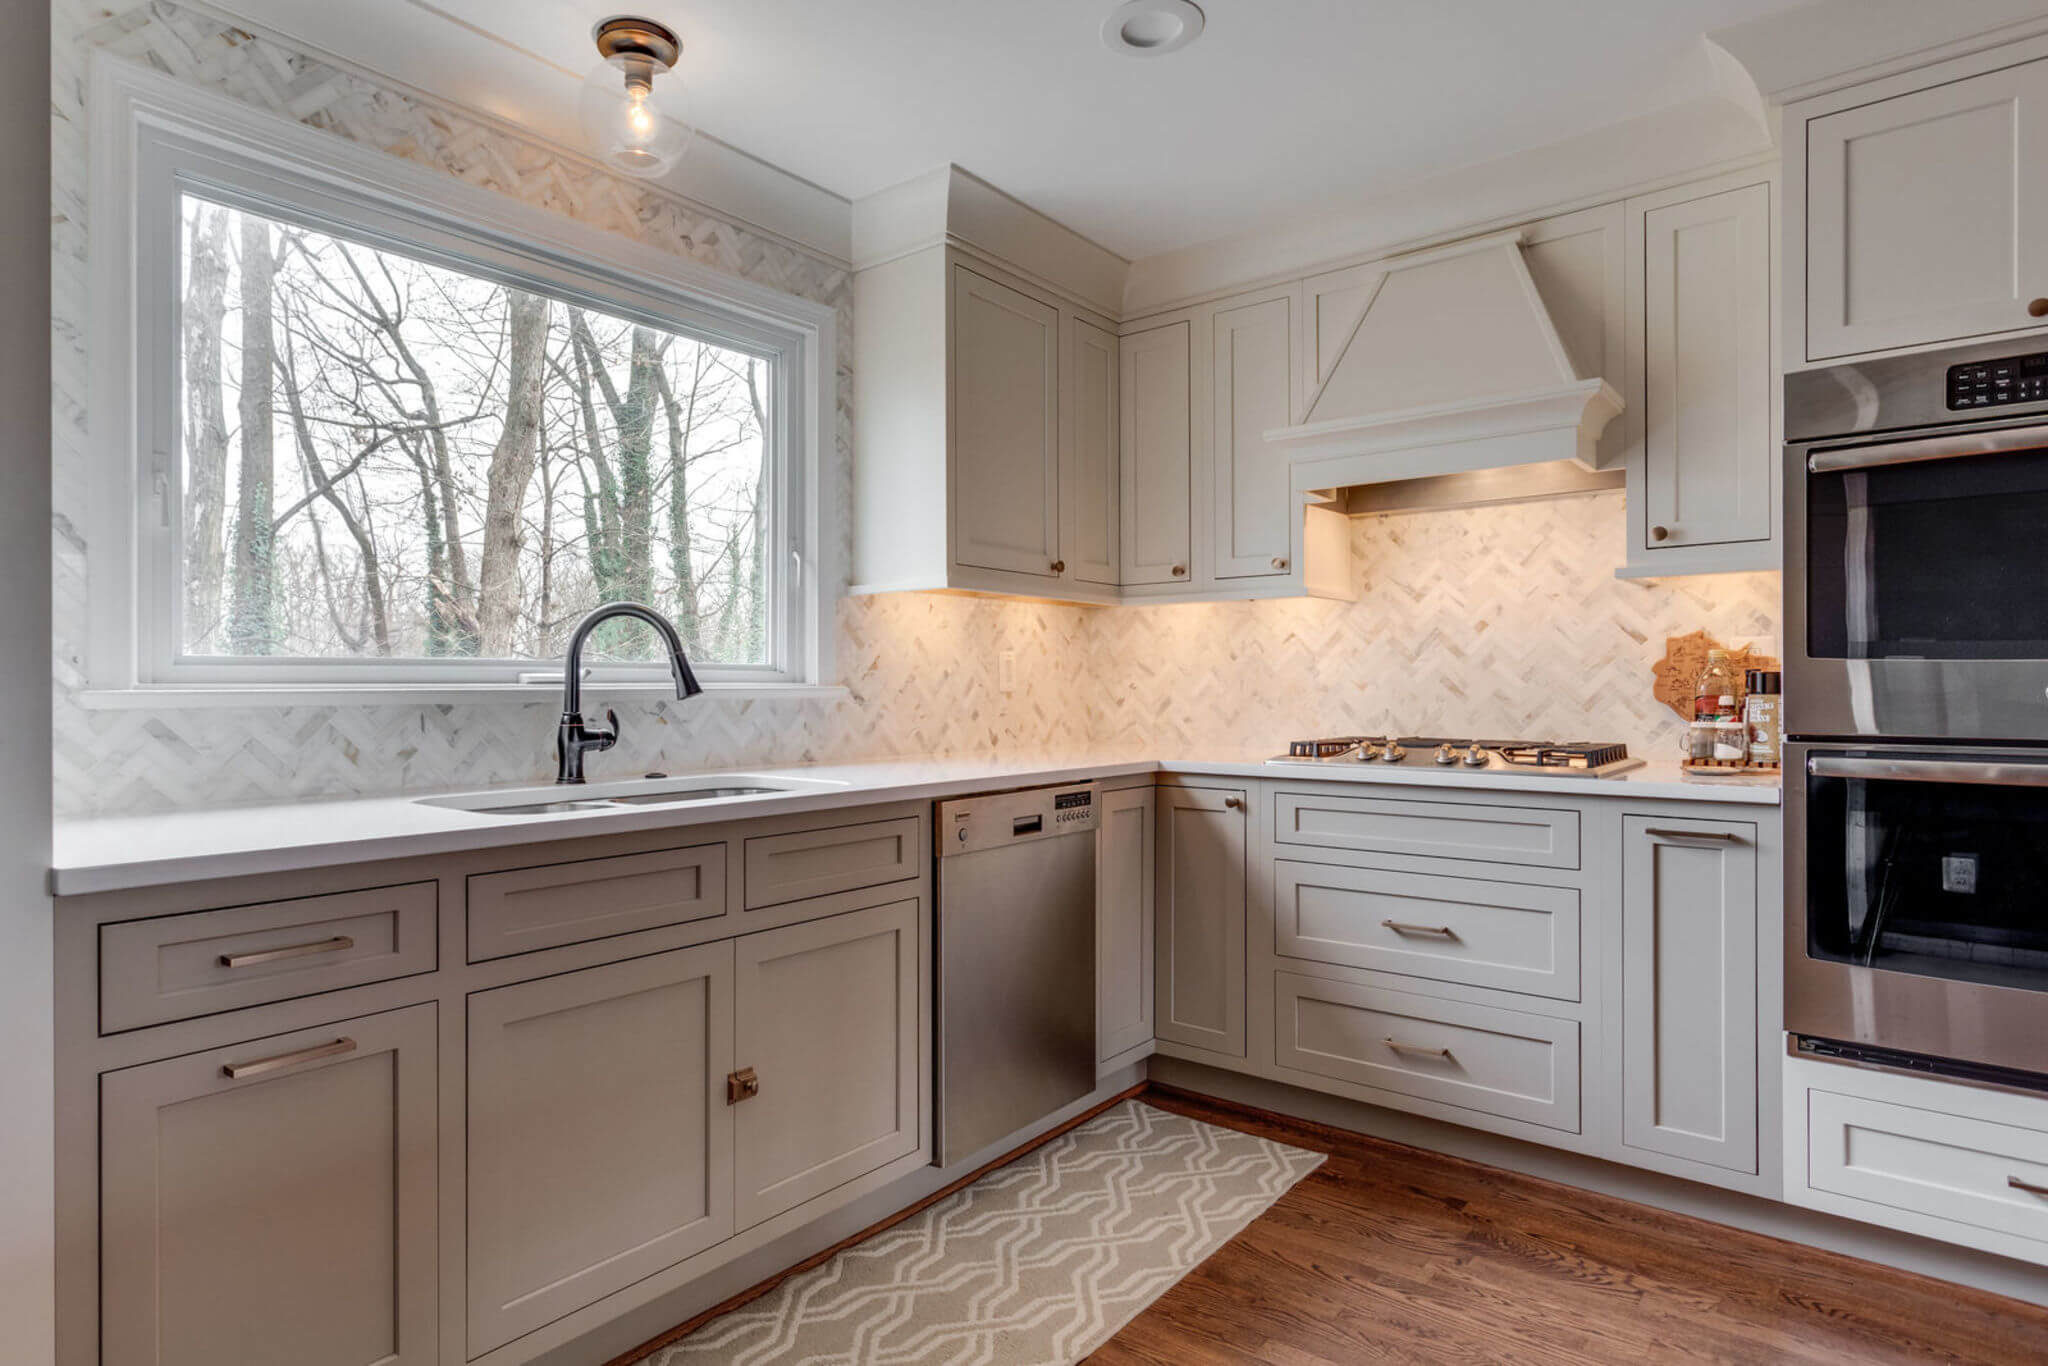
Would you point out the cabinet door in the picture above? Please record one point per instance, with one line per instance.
(1688, 946)
(1201, 893)
(1005, 427)
(273, 1201)
(1927, 214)
(1705, 374)
(600, 1143)
(1088, 454)
(1123, 922)
(827, 1019)
(1254, 388)
(1156, 453)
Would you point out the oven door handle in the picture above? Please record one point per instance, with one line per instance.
(1927, 448)
(1929, 771)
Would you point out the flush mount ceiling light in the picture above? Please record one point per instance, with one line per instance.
(1151, 28)
(618, 112)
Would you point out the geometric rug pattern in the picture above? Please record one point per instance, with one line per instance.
(1036, 1264)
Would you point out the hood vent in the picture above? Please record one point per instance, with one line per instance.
(1440, 363)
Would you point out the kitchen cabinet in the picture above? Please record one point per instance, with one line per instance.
(1156, 512)
(1926, 210)
(274, 1200)
(1201, 893)
(1005, 419)
(1252, 501)
(1703, 469)
(1089, 439)
(1123, 921)
(826, 1026)
(600, 1140)
(1689, 989)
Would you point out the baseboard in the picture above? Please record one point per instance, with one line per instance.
(1908, 1252)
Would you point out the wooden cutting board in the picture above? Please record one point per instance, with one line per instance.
(1685, 657)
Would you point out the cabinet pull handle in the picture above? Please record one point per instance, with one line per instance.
(2027, 1186)
(1400, 1047)
(1403, 927)
(1180, 571)
(1059, 566)
(741, 1085)
(1725, 836)
(239, 1071)
(2037, 308)
(1660, 533)
(250, 960)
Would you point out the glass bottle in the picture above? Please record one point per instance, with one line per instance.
(1715, 734)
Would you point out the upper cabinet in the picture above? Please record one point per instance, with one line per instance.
(1926, 210)
(1158, 448)
(1089, 440)
(1004, 414)
(1703, 457)
(1252, 393)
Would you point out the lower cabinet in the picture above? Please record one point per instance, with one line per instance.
(274, 1201)
(1201, 899)
(1689, 970)
(827, 1023)
(1123, 921)
(600, 1142)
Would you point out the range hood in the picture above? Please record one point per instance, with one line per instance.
(1442, 363)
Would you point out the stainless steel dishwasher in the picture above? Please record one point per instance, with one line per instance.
(1016, 961)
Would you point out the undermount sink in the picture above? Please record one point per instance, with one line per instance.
(553, 800)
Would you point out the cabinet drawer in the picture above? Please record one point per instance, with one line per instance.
(1500, 1062)
(1958, 1169)
(177, 967)
(807, 863)
(1452, 929)
(1533, 836)
(567, 903)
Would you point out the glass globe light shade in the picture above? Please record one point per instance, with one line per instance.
(622, 123)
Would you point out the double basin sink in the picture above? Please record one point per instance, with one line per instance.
(555, 800)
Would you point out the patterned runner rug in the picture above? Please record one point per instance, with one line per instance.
(1036, 1264)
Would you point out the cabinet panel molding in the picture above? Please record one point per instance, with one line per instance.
(1157, 455)
(1253, 390)
(525, 909)
(1124, 883)
(1090, 422)
(1004, 416)
(1202, 894)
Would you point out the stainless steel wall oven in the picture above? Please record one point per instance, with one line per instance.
(1916, 702)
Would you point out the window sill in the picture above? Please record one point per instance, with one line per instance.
(171, 697)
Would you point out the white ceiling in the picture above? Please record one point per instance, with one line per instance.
(1281, 107)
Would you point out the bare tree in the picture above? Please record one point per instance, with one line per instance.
(252, 625)
(509, 471)
(206, 423)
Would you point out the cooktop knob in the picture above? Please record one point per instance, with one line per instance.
(1446, 755)
(1393, 753)
(1475, 757)
(1367, 752)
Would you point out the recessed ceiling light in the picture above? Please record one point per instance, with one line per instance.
(1151, 28)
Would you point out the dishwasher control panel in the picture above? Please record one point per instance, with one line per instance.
(1000, 818)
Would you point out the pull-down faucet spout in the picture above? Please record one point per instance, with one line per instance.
(575, 738)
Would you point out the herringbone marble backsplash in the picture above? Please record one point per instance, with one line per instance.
(1498, 619)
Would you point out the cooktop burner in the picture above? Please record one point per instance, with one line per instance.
(1459, 754)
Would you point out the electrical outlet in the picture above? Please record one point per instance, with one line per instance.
(1006, 671)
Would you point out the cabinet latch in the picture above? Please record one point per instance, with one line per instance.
(741, 1085)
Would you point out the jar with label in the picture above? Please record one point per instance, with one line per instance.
(1716, 736)
(1763, 717)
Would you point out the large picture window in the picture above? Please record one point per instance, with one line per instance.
(385, 436)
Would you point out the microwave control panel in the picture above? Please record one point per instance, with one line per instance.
(2009, 379)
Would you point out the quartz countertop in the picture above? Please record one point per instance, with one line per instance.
(121, 852)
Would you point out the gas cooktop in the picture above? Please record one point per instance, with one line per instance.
(1456, 754)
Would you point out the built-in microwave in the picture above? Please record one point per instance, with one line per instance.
(1916, 556)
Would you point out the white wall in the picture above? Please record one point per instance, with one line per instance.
(26, 1158)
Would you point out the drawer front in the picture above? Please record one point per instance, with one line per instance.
(1451, 929)
(1531, 836)
(177, 967)
(808, 863)
(568, 903)
(1499, 1062)
(1959, 1169)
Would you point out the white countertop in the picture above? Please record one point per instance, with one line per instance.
(116, 853)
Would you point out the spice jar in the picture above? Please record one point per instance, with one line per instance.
(1716, 735)
(1763, 717)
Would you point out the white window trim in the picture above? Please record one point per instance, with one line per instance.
(152, 136)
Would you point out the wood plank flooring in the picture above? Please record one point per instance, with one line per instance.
(1393, 1254)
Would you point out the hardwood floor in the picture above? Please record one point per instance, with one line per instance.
(1390, 1253)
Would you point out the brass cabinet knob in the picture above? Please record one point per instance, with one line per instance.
(1279, 561)
(1234, 803)
(1660, 533)
(1180, 571)
(1059, 566)
(2038, 308)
